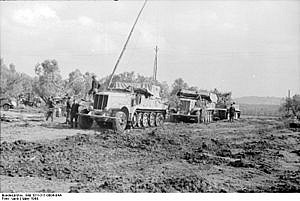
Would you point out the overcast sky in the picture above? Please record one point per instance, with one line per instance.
(247, 47)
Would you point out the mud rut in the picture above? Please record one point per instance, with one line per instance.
(245, 156)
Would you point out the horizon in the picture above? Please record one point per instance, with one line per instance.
(219, 44)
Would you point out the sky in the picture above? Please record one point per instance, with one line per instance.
(251, 48)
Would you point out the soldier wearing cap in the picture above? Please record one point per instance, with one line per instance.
(50, 111)
(74, 113)
(231, 112)
(68, 109)
(95, 86)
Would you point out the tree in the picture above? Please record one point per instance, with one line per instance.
(178, 84)
(193, 88)
(122, 77)
(75, 84)
(125, 77)
(291, 107)
(12, 68)
(136, 78)
(48, 81)
(88, 82)
(164, 90)
(141, 78)
(13, 83)
(27, 82)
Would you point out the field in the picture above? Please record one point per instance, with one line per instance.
(260, 109)
(248, 155)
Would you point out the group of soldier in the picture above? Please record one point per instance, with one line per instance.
(71, 106)
(71, 110)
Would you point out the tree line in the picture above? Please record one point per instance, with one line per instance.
(48, 81)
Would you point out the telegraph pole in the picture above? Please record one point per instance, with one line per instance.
(155, 64)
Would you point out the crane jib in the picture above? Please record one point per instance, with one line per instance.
(120, 56)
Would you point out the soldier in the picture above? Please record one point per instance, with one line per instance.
(95, 86)
(68, 109)
(50, 111)
(74, 113)
(204, 115)
(231, 113)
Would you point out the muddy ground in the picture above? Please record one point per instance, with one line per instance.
(249, 155)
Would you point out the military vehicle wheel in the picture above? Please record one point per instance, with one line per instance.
(134, 121)
(152, 119)
(159, 120)
(120, 122)
(145, 120)
(139, 120)
(5, 107)
(84, 121)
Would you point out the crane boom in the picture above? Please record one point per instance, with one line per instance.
(125, 45)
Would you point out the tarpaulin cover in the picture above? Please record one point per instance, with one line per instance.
(152, 89)
(187, 93)
(194, 94)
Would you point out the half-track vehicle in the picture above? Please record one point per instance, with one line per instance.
(126, 105)
(194, 106)
(223, 103)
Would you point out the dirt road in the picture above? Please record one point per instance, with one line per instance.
(249, 155)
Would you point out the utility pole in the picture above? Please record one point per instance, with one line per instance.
(155, 64)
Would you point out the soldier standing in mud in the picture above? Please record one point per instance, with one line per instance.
(50, 111)
(68, 109)
(231, 113)
(204, 114)
(74, 113)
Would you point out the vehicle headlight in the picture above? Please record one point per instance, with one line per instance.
(90, 108)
